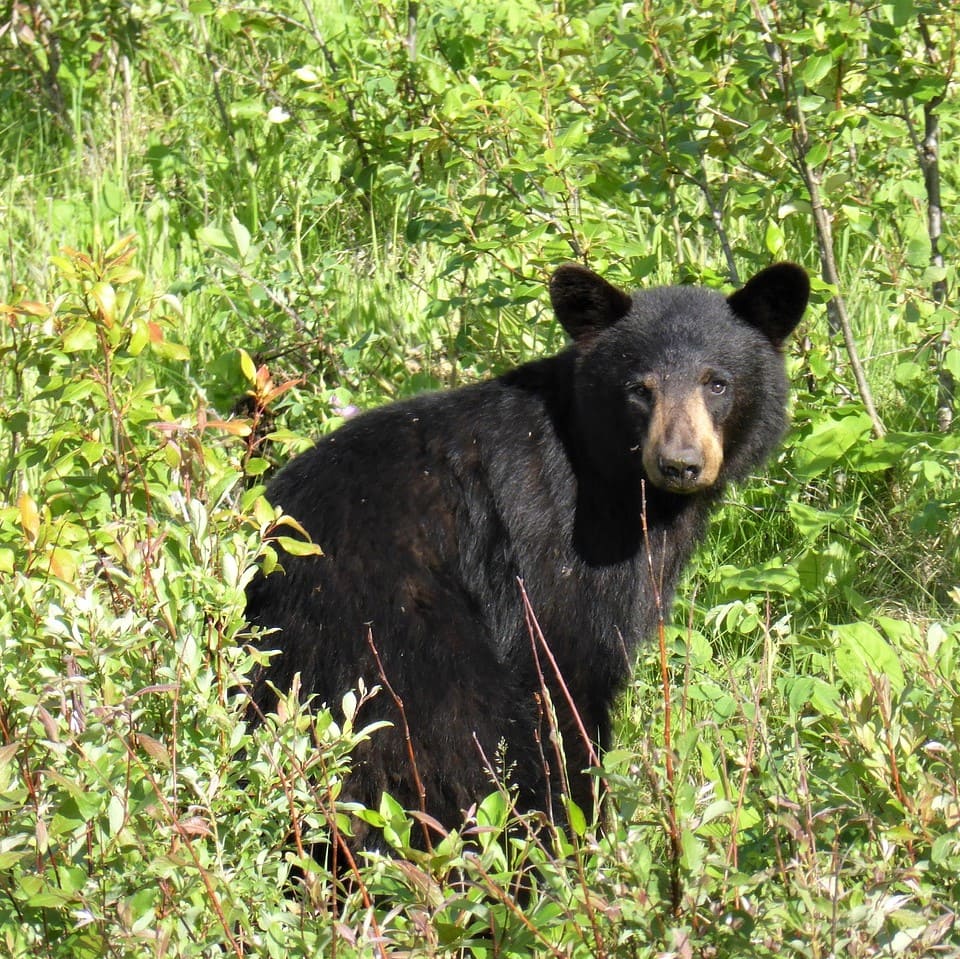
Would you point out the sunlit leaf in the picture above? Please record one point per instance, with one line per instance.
(29, 516)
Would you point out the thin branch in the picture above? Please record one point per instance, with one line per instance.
(801, 143)
(408, 740)
(928, 153)
(537, 633)
(676, 848)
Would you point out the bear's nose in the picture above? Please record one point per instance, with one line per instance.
(682, 467)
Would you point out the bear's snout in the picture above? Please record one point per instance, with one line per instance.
(681, 467)
(683, 451)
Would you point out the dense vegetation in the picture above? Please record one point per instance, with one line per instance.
(225, 225)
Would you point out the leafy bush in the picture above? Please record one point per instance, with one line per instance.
(341, 203)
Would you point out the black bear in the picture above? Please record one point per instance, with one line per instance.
(587, 477)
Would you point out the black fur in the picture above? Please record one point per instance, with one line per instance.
(429, 511)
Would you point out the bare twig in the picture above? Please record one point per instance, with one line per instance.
(676, 850)
(408, 740)
(537, 639)
(537, 633)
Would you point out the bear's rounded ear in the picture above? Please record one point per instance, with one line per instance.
(585, 304)
(773, 301)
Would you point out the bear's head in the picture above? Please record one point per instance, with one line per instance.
(679, 386)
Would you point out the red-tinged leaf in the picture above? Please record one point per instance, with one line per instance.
(193, 826)
(282, 388)
(125, 274)
(8, 752)
(49, 724)
(263, 382)
(167, 428)
(121, 248)
(233, 427)
(154, 748)
(155, 331)
(428, 820)
(82, 258)
(33, 308)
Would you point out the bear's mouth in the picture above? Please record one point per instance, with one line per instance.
(684, 478)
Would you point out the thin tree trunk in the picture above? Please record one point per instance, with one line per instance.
(837, 314)
(837, 306)
(929, 155)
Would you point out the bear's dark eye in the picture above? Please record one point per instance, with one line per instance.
(639, 390)
(718, 387)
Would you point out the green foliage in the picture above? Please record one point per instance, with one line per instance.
(340, 203)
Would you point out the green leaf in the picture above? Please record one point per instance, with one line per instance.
(881, 453)
(212, 236)
(828, 441)
(246, 109)
(773, 239)
(903, 11)
(256, 466)
(951, 363)
(815, 68)
(863, 652)
(492, 810)
(716, 809)
(417, 134)
(575, 816)
(815, 693)
(693, 851)
(116, 815)
(81, 337)
(298, 547)
(809, 520)
(817, 154)
(241, 238)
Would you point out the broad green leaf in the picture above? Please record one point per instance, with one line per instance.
(213, 236)
(81, 337)
(828, 441)
(116, 815)
(815, 68)
(693, 850)
(863, 652)
(298, 547)
(246, 109)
